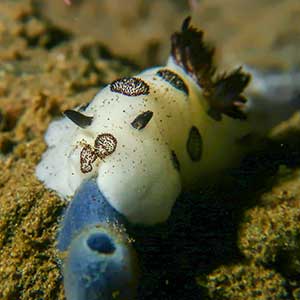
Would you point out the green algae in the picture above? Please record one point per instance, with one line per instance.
(246, 282)
(28, 218)
(268, 238)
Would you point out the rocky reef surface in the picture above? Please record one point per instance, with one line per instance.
(238, 241)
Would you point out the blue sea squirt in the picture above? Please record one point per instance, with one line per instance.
(100, 260)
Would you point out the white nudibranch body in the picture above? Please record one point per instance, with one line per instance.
(147, 137)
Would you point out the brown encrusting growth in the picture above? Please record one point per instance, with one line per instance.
(268, 238)
(223, 93)
(246, 282)
(29, 262)
(130, 86)
(44, 71)
(270, 233)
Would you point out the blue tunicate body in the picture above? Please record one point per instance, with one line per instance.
(88, 207)
(100, 261)
(90, 274)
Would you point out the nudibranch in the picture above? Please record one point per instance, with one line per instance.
(147, 137)
(125, 157)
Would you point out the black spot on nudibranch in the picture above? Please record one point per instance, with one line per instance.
(105, 144)
(173, 79)
(194, 144)
(87, 157)
(142, 120)
(130, 86)
(175, 160)
(78, 118)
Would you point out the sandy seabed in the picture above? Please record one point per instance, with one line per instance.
(241, 243)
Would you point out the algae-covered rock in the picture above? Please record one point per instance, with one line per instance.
(228, 24)
(246, 282)
(28, 217)
(296, 294)
(42, 81)
(270, 232)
